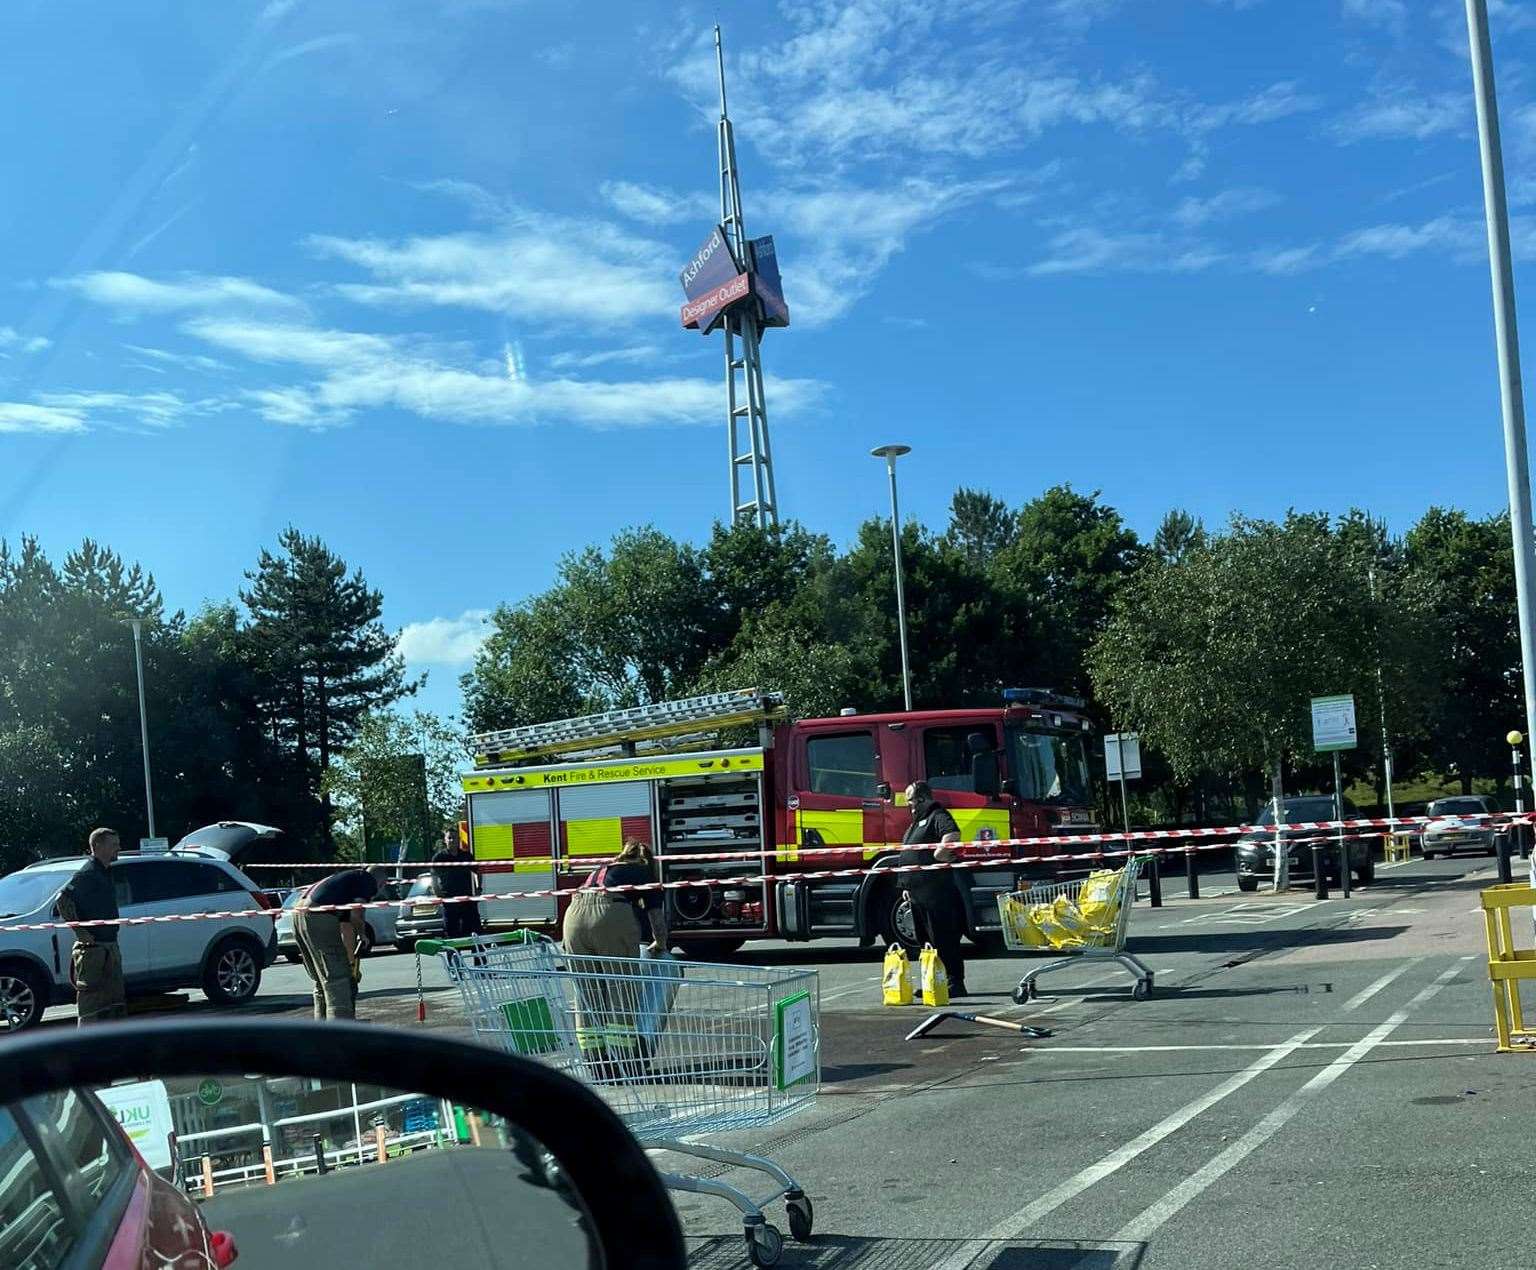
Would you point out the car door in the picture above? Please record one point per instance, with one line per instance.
(133, 942)
(173, 887)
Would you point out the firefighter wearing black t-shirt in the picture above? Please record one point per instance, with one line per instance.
(937, 909)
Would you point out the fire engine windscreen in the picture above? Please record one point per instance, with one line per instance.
(1048, 767)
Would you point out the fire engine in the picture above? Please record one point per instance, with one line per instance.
(792, 837)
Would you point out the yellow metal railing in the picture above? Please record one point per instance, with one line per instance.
(1397, 847)
(1507, 965)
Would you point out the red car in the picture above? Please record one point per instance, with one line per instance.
(76, 1195)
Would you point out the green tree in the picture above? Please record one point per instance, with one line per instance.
(980, 525)
(1178, 532)
(40, 810)
(316, 642)
(398, 781)
(1465, 571)
(1070, 558)
(1215, 656)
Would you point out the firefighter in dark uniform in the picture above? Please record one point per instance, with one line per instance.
(937, 908)
(96, 964)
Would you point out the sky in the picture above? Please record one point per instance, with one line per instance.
(404, 274)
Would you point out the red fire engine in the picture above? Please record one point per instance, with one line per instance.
(774, 822)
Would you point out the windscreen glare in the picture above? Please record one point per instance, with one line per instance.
(1048, 767)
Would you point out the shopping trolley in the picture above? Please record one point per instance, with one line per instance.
(1081, 938)
(677, 1049)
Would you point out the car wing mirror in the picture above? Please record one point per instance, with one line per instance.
(306, 1143)
(883, 791)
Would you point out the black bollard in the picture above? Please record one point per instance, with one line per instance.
(1501, 849)
(1155, 882)
(1191, 874)
(320, 1165)
(1344, 867)
(1319, 871)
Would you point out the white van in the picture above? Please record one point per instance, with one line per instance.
(143, 1108)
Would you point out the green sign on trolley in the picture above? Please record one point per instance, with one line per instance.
(794, 1036)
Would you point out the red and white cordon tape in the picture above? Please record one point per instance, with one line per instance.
(749, 879)
(1381, 823)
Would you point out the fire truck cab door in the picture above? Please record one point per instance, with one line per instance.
(948, 763)
(840, 803)
(512, 830)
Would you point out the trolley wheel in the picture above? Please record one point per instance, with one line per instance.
(801, 1215)
(1142, 990)
(1023, 992)
(764, 1244)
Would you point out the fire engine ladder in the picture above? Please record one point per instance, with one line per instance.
(625, 727)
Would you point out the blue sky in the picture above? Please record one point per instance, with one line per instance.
(404, 274)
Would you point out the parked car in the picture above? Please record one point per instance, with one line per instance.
(1462, 823)
(75, 1192)
(222, 956)
(415, 921)
(1255, 850)
(381, 921)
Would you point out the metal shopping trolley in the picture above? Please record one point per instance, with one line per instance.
(1065, 917)
(678, 1049)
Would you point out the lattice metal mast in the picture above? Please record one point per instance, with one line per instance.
(746, 417)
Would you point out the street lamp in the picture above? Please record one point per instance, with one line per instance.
(1507, 343)
(138, 660)
(890, 453)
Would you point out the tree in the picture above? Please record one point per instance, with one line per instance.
(40, 811)
(1213, 657)
(1070, 558)
(316, 641)
(1465, 571)
(398, 780)
(1178, 532)
(980, 525)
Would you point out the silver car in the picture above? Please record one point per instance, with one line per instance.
(381, 921)
(1463, 823)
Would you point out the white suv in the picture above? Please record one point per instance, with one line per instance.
(224, 956)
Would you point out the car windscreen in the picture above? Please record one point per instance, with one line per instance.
(1300, 809)
(421, 886)
(25, 891)
(1458, 807)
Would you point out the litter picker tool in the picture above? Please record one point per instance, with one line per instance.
(1008, 1025)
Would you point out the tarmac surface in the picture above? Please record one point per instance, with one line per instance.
(1311, 1084)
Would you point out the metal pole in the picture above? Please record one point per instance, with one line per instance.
(1125, 804)
(1338, 814)
(1381, 704)
(890, 455)
(138, 661)
(1507, 342)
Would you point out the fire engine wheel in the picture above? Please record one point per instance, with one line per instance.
(897, 924)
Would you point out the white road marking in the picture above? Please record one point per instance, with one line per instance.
(1218, 1166)
(1248, 914)
(1183, 1049)
(1015, 1224)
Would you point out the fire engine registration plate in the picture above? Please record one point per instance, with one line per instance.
(1077, 816)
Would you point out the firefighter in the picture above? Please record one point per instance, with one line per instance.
(938, 912)
(330, 942)
(96, 963)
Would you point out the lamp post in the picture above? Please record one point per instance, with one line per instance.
(890, 453)
(1506, 342)
(138, 661)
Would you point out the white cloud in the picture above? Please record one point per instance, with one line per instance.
(154, 409)
(186, 361)
(1086, 249)
(11, 338)
(18, 416)
(1402, 112)
(360, 372)
(444, 641)
(1279, 100)
(1388, 13)
(1286, 260)
(543, 268)
(1460, 236)
(605, 357)
(134, 293)
(841, 237)
(654, 205)
(1191, 213)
